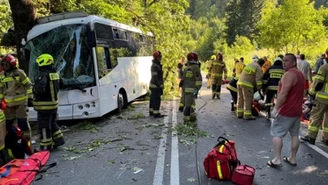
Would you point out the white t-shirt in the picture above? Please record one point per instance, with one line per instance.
(305, 68)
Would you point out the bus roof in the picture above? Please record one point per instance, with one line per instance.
(53, 21)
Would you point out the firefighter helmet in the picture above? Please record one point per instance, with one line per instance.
(45, 60)
(213, 57)
(9, 59)
(192, 56)
(157, 54)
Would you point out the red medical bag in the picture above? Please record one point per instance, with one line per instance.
(243, 175)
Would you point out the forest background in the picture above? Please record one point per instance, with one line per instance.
(237, 28)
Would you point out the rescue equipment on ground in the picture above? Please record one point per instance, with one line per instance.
(243, 175)
(24, 171)
(222, 160)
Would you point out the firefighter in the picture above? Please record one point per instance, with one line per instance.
(319, 93)
(232, 87)
(16, 90)
(208, 76)
(192, 80)
(156, 85)
(4, 158)
(250, 78)
(217, 68)
(271, 80)
(45, 102)
(266, 65)
(239, 66)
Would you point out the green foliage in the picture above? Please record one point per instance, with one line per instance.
(289, 32)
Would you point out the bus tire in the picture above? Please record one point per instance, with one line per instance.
(120, 102)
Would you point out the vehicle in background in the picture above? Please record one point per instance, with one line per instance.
(103, 64)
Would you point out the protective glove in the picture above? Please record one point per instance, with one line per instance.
(30, 102)
(274, 113)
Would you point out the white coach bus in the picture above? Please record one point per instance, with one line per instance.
(103, 64)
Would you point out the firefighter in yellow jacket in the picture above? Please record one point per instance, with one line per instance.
(217, 68)
(319, 92)
(208, 76)
(16, 90)
(192, 82)
(250, 78)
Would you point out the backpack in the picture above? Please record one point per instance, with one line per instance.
(16, 144)
(222, 160)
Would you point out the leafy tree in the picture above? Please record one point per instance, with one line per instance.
(282, 30)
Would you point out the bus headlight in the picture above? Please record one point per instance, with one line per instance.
(93, 104)
(87, 105)
(80, 107)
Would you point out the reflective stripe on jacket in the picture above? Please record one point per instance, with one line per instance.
(15, 87)
(251, 76)
(45, 90)
(192, 78)
(272, 77)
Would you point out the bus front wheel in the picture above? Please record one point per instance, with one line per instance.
(120, 102)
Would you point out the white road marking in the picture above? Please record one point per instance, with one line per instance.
(315, 148)
(174, 179)
(159, 169)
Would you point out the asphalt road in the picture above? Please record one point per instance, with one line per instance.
(133, 148)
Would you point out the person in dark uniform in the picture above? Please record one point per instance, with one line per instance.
(156, 85)
(271, 80)
(45, 91)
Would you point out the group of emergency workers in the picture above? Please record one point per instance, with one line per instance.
(258, 76)
(17, 92)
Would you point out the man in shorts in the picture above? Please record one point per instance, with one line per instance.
(287, 111)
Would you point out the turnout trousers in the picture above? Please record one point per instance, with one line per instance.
(189, 109)
(50, 134)
(245, 101)
(216, 87)
(319, 112)
(18, 113)
(268, 101)
(155, 101)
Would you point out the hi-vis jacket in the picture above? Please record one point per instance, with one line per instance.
(46, 89)
(319, 87)
(217, 68)
(239, 67)
(15, 87)
(272, 77)
(251, 76)
(192, 78)
(156, 80)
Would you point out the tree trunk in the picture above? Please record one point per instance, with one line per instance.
(23, 14)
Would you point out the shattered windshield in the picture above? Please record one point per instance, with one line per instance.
(73, 58)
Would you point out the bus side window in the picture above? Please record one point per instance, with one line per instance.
(101, 61)
(108, 61)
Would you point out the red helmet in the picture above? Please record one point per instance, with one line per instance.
(9, 59)
(192, 56)
(157, 54)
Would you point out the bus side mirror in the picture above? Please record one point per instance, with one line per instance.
(91, 40)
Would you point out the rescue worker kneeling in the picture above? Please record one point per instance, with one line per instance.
(250, 78)
(45, 102)
(192, 80)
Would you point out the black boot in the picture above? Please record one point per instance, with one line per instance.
(308, 140)
(213, 96)
(232, 106)
(59, 142)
